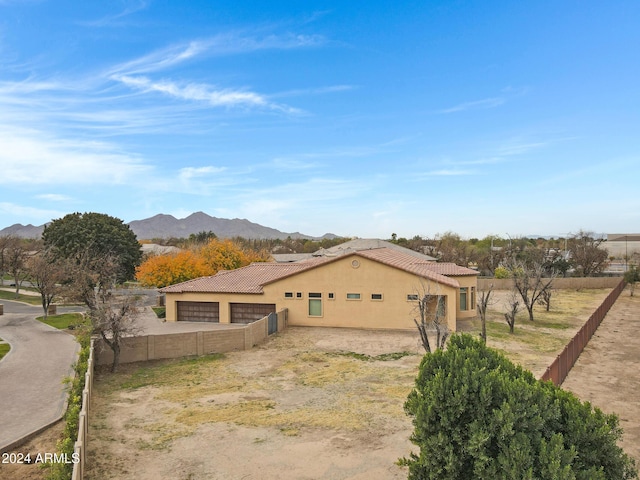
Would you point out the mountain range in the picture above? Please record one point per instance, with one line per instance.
(167, 226)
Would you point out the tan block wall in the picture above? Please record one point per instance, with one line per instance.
(560, 283)
(177, 345)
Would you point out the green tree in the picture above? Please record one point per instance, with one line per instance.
(632, 276)
(476, 415)
(82, 237)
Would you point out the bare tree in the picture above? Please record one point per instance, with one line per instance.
(5, 242)
(114, 320)
(450, 247)
(46, 274)
(484, 297)
(530, 283)
(513, 305)
(16, 256)
(431, 308)
(545, 298)
(586, 254)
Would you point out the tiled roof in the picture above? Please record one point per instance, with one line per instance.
(451, 269)
(438, 272)
(249, 279)
(359, 244)
(252, 278)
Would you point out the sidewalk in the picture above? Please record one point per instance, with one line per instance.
(22, 291)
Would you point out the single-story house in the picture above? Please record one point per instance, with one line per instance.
(376, 288)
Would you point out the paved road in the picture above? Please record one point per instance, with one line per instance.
(32, 393)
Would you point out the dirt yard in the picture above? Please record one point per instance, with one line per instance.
(606, 373)
(309, 403)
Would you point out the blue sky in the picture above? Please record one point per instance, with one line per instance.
(356, 118)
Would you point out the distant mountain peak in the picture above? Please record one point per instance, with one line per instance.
(166, 226)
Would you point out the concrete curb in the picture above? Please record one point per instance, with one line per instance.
(10, 349)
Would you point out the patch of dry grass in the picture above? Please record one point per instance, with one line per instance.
(536, 343)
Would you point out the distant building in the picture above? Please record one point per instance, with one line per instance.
(620, 245)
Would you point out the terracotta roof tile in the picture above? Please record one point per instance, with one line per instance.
(409, 263)
(250, 279)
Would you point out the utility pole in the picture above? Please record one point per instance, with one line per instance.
(626, 254)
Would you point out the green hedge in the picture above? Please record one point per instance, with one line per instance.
(64, 471)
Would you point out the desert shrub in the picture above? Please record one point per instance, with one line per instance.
(476, 415)
(501, 272)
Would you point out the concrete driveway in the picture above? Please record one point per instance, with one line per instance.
(32, 393)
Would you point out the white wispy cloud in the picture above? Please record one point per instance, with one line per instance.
(448, 173)
(189, 173)
(315, 91)
(116, 18)
(33, 157)
(518, 147)
(222, 44)
(53, 197)
(202, 93)
(484, 103)
(292, 164)
(23, 212)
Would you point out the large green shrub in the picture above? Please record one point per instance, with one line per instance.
(478, 416)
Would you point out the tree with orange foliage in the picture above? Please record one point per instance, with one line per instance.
(216, 255)
(163, 270)
(221, 255)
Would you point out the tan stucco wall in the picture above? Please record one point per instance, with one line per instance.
(394, 311)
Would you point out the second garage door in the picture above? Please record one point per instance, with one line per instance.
(250, 312)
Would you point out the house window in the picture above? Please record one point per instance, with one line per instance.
(315, 295)
(376, 296)
(353, 296)
(331, 296)
(298, 294)
(473, 298)
(412, 297)
(315, 307)
(288, 294)
(463, 298)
